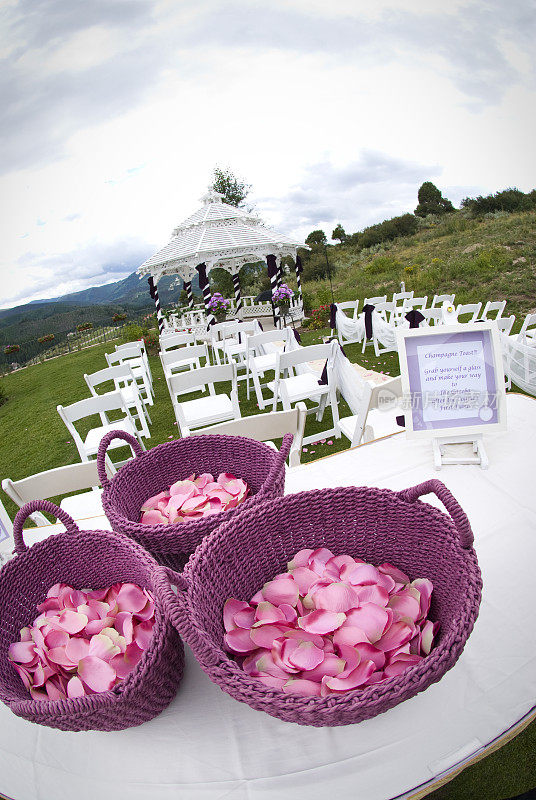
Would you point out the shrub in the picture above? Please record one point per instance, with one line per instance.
(382, 264)
(151, 342)
(132, 333)
(319, 318)
(48, 338)
(86, 326)
(509, 200)
(119, 317)
(11, 348)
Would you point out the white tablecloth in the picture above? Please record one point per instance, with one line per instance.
(207, 745)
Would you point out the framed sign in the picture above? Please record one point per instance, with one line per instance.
(452, 380)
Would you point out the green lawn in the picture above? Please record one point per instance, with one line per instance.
(34, 438)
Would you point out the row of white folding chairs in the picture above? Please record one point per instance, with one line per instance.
(77, 478)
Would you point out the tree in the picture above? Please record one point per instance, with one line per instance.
(316, 237)
(431, 201)
(339, 233)
(233, 190)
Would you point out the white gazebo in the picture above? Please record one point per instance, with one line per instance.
(219, 235)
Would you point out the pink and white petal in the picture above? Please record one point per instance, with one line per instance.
(376, 677)
(230, 608)
(124, 663)
(102, 647)
(152, 502)
(203, 480)
(425, 589)
(357, 678)
(401, 665)
(349, 635)
(22, 652)
(397, 635)
(386, 582)
(98, 625)
(364, 575)
(76, 648)
(99, 675)
(394, 572)
(318, 560)
(147, 611)
(53, 689)
(306, 656)
(75, 687)
(257, 598)
(239, 641)
(143, 633)
(289, 612)
(372, 619)
(302, 636)
(281, 590)
(339, 596)
(154, 517)
(245, 618)
(124, 624)
(373, 594)
(131, 598)
(268, 663)
(266, 613)
(404, 606)
(306, 688)
(25, 675)
(305, 578)
(428, 631)
(56, 638)
(70, 621)
(351, 657)
(321, 621)
(264, 635)
(331, 666)
(271, 682)
(26, 634)
(370, 653)
(301, 559)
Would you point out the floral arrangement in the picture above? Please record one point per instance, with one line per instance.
(151, 342)
(86, 326)
(331, 624)
(118, 317)
(218, 304)
(83, 642)
(282, 295)
(194, 498)
(11, 348)
(48, 338)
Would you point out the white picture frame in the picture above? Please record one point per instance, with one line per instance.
(415, 344)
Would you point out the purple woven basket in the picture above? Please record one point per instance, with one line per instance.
(94, 560)
(154, 470)
(377, 525)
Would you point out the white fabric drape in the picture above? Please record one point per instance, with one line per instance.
(354, 330)
(519, 362)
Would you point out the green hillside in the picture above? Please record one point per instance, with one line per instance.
(480, 259)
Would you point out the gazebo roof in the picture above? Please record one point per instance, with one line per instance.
(217, 234)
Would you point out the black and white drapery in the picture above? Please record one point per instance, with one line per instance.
(279, 271)
(272, 274)
(238, 297)
(187, 286)
(153, 290)
(205, 288)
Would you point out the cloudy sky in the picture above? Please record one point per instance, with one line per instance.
(116, 111)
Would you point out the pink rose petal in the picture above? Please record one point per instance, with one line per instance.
(22, 652)
(264, 635)
(331, 666)
(271, 682)
(143, 633)
(75, 687)
(355, 679)
(282, 590)
(304, 687)
(321, 621)
(301, 559)
(96, 673)
(267, 613)
(335, 597)
(239, 641)
(131, 598)
(230, 608)
(306, 656)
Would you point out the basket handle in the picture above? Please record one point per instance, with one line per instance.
(281, 457)
(31, 508)
(459, 517)
(103, 447)
(175, 605)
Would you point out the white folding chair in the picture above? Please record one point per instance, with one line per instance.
(235, 346)
(418, 303)
(527, 334)
(124, 382)
(191, 414)
(60, 481)
(174, 340)
(490, 308)
(132, 357)
(375, 301)
(88, 447)
(387, 311)
(381, 405)
(350, 308)
(302, 383)
(399, 297)
(505, 324)
(266, 427)
(432, 316)
(439, 299)
(138, 345)
(219, 334)
(185, 358)
(261, 350)
(468, 308)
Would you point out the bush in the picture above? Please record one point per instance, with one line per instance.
(11, 348)
(151, 343)
(119, 317)
(48, 338)
(382, 264)
(405, 225)
(319, 318)
(132, 333)
(509, 200)
(86, 326)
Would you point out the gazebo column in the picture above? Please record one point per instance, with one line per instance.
(205, 288)
(272, 272)
(299, 269)
(237, 293)
(153, 290)
(187, 286)
(279, 271)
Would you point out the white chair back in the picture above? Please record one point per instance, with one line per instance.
(373, 301)
(350, 308)
(176, 340)
(217, 407)
(401, 296)
(121, 375)
(439, 299)
(527, 334)
(265, 427)
(171, 358)
(505, 324)
(496, 308)
(468, 308)
(434, 316)
(412, 303)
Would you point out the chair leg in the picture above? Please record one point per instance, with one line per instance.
(258, 391)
